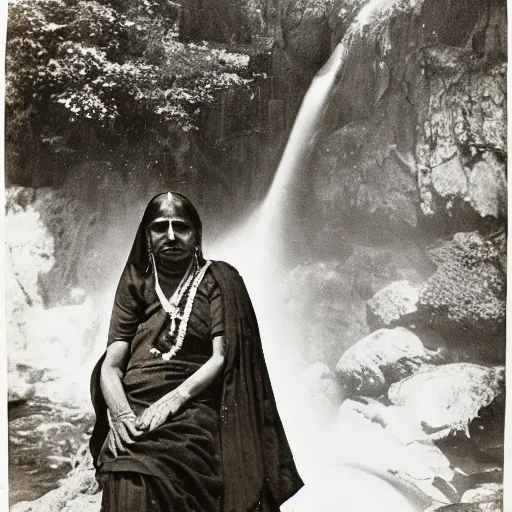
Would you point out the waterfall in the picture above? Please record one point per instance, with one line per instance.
(302, 135)
(257, 248)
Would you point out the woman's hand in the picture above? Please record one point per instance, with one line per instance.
(157, 413)
(122, 431)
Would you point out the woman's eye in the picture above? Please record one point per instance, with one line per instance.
(159, 227)
(180, 226)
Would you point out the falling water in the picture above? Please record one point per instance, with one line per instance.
(257, 248)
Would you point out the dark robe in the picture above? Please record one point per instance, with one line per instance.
(226, 450)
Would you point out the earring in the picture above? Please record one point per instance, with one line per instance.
(196, 255)
(150, 252)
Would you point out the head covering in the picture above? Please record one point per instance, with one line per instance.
(163, 205)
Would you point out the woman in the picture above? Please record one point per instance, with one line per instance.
(185, 415)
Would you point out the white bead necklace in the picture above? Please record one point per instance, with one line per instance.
(171, 307)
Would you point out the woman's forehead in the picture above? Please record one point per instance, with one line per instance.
(171, 218)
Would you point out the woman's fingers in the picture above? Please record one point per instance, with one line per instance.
(111, 443)
(125, 437)
(156, 421)
(119, 442)
(132, 428)
(142, 422)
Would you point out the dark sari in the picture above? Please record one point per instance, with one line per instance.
(226, 449)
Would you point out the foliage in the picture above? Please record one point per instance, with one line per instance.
(111, 63)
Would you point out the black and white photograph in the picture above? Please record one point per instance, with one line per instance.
(255, 255)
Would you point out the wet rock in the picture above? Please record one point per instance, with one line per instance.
(390, 304)
(446, 398)
(322, 389)
(78, 492)
(484, 493)
(464, 300)
(46, 441)
(487, 430)
(484, 498)
(388, 355)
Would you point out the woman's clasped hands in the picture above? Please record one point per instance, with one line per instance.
(156, 414)
(122, 431)
(125, 427)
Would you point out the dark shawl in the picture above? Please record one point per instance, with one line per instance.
(256, 457)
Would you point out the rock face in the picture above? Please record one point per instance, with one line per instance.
(447, 398)
(412, 148)
(78, 492)
(388, 355)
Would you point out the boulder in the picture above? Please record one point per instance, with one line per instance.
(484, 493)
(445, 399)
(78, 492)
(387, 307)
(48, 441)
(464, 300)
(483, 498)
(388, 355)
(487, 430)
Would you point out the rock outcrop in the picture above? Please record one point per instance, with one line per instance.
(78, 492)
(464, 300)
(383, 357)
(447, 398)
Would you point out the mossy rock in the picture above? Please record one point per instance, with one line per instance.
(464, 300)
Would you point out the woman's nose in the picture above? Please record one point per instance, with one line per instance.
(170, 232)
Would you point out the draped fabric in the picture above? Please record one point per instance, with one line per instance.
(226, 449)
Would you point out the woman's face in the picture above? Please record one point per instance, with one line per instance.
(173, 237)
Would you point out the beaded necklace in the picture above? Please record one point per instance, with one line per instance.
(189, 282)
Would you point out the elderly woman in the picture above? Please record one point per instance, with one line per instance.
(185, 415)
